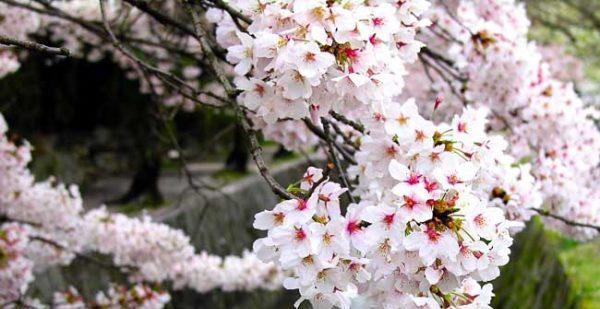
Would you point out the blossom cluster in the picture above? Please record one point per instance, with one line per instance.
(155, 252)
(117, 296)
(436, 201)
(548, 123)
(51, 211)
(306, 58)
(16, 270)
(15, 23)
(563, 66)
(430, 222)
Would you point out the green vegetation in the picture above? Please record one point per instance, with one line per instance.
(581, 265)
(548, 270)
(574, 24)
(290, 156)
(143, 203)
(227, 176)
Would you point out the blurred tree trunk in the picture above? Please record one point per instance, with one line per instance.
(144, 181)
(238, 157)
(145, 155)
(281, 153)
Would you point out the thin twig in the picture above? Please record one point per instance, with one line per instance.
(94, 28)
(256, 152)
(453, 17)
(169, 21)
(546, 213)
(232, 11)
(344, 136)
(34, 46)
(4, 218)
(319, 133)
(439, 57)
(160, 17)
(197, 188)
(444, 34)
(427, 64)
(328, 168)
(336, 160)
(306, 157)
(341, 118)
(443, 62)
(169, 78)
(215, 65)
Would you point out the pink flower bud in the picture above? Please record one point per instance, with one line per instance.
(438, 100)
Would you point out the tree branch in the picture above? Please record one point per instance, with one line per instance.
(546, 213)
(341, 118)
(232, 11)
(34, 46)
(169, 21)
(347, 140)
(319, 133)
(336, 160)
(326, 171)
(169, 78)
(215, 65)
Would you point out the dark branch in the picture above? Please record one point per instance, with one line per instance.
(321, 134)
(328, 168)
(160, 17)
(341, 118)
(170, 79)
(232, 93)
(169, 21)
(546, 213)
(34, 46)
(232, 11)
(336, 160)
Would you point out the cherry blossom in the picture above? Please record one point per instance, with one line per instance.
(311, 49)
(549, 125)
(427, 230)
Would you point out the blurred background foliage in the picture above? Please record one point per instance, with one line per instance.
(548, 270)
(87, 120)
(574, 24)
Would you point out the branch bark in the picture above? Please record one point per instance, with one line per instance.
(546, 213)
(169, 21)
(232, 11)
(336, 160)
(169, 78)
(341, 118)
(34, 46)
(232, 93)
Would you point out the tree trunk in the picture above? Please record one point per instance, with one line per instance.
(238, 157)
